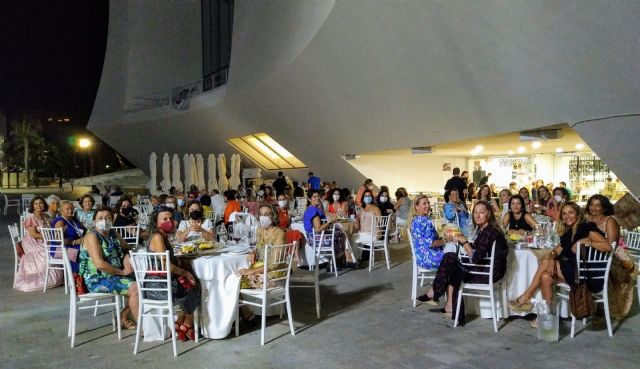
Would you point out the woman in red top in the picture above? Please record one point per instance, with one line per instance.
(233, 205)
(337, 203)
(269, 197)
(284, 220)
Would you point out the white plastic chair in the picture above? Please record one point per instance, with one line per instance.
(54, 242)
(480, 290)
(323, 246)
(15, 238)
(632, 240)
(77, 302)
(277, 270)
(130, 234)
(15, 203)
(598, 263)
(26, 201)
(379, 229)
(145, 263)
(418, 274)
(308, 279)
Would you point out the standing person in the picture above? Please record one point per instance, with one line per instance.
(280, 184)
(60, 188)
(456, 182)
(484, 180)
(71, 183)
(297, 190)
(471, 192)
(367, 185)
(564, 185)
(314, 182)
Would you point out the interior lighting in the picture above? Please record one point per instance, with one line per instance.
(579, 146)
(521, 149)
(479, 148)
(510, 152)
(536, 144)
(266, 152)
(559, 150)
(473, 152)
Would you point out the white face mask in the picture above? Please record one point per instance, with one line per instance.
(383, 199)
(170, 205)
(558, 198)
(336, 197)
(265, 221)
(180, 202)
(104, 225)
(282, 203)
(367, 200)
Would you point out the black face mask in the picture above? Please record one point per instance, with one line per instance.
(195, 215)
(126, 211)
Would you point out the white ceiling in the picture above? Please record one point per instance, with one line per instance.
(328, 78)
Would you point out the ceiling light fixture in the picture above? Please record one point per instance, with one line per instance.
(579, 146)
(559, 149)
(510, 152)
(521, 149)
(536, 144)
(473, 152)
(479, 148)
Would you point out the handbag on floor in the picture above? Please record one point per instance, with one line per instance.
(580, 297)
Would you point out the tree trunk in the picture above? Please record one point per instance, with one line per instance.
(26, 159)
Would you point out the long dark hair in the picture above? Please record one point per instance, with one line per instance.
(153, 224)
(521, 200)
(607, 207)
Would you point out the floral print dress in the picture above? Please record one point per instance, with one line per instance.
(424, 233)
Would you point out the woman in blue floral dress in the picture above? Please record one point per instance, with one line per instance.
(428, 246)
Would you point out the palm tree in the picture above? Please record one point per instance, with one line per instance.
(26, 131)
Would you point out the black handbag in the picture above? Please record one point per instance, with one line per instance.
(580, 301)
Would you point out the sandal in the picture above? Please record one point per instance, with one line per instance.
(187, 332)
(128, 325)
(446, 314)
(534, 323)
(520, 306)
(427, 300)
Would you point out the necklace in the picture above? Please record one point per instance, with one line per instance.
(75, 226)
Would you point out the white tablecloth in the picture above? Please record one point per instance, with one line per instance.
(220, 288)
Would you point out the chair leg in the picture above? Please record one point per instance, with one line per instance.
(333, 257)
(118, 322)
(74, 310)
(138, 329)
(290, 314)
(172, 327)
(494, 313)
(573, 326)
(238, 321)
(264, 320)
(196, 323)
(607, 316)
(66, 283)
(95, 309)
(317, 290)
(372, 257)
(414, 285)
(386, 255)
(455, 322)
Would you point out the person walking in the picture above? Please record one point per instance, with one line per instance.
(456, 182)
(60, 188)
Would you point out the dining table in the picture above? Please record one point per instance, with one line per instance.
(220, 287)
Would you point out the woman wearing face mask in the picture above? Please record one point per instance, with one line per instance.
(337, 204)
(30, 276)
(384, 203)
(103, 264)
(126, 215)
(561, 195)
(364, 221)
(547, 205)
(73, 232)
(284, 220)
(171, 202)
(194, 226)
(184, 286)
(367, 185)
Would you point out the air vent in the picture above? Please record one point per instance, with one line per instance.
(543, 134)
(422, 150)
(350, 156)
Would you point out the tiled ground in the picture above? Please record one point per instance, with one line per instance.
(367, 322)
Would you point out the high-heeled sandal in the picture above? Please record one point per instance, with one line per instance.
(520, 306)
(188, 332)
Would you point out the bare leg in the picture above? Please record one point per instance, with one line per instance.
(133, 300)
(546, 267)
(448, 307)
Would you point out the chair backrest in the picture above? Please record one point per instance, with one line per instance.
(210, 214)
(22, 219)
(152, 264)
(595, 263)
(380, 227)
(479, 269)
(632, 240)
(14, 232)
(129, 233)
(413, 249)
(277, 264)
(68, 275)
(324, 239)
(53, 242)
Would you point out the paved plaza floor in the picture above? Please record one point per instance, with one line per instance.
(367, 322)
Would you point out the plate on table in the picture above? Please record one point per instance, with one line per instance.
(237, 249)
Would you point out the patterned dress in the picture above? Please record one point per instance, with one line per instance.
(97, 280)
(424, 233)
(274, 236)
(85, 217)
(33, 263)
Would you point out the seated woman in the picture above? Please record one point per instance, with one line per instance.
(384, 203)
(337, 204)
(126, 215)
(560, 265)
(517, 220)
(484, 194)
(428, 246)
(600, 211)
(233, 205)
(269, 197)
(33, 263)
(86, 212)
(73, 230)
(546, 204)
(472, 193)
(364, 221)
(53, 203)
(284, 220)
(561, 195)
(205, 201)
(312, 220)
(526, 197)
(103, 266)
(488, 232)
(171, 202)
(503, 202)
(455, 210)
(251, 203)
(184, 287)
(402, 207)
(194, 227)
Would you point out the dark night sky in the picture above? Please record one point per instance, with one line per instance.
(51, 55)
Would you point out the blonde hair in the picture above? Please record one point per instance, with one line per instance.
(561, 228)
(412, 211)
